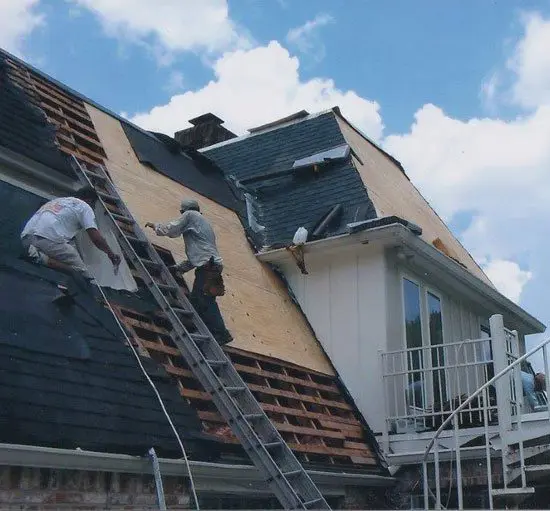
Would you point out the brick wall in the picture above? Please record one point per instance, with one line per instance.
(45, 489)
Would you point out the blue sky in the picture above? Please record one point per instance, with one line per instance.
(410, 53)
(457, 91)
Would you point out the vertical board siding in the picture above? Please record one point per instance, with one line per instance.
(344, 299)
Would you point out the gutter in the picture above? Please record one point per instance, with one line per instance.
(209, 477)
(14, 164)
(395, 235)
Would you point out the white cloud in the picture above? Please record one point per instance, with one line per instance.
(175, 82)
(508, 277)
(498, 169)
(531, 63)
(168, 26)
(257, 86)
(18, 18)
(306, 38)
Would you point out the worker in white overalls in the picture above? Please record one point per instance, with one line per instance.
(48, 237)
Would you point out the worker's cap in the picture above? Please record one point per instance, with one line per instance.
(85, 192)
(187, 204)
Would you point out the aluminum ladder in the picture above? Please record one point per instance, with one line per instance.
(211, 366)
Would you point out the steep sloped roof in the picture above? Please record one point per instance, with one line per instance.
(24, 128)
(312, 411)
(302, 198)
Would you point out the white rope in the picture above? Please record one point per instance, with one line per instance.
(161, 402)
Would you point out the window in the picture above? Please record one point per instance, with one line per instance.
(336, 153)
(424, 327)
(436, 339)
(413, 336)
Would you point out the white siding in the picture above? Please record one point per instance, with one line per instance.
(344, 298)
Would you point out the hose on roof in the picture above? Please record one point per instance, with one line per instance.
(159, 398)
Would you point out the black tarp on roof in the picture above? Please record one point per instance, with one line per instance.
(67, 378)
(303, 199)
(24, 128)
(194, 171)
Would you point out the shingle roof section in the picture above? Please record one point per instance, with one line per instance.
(24, 128)
(284, 204)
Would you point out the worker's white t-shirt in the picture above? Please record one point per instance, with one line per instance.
(60, 220)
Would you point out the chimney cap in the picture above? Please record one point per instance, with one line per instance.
(208, 118)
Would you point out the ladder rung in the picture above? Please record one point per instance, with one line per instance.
(122, 218)
(311, 502)
(151, 264)
(218, 363)
(183, 312)
(107, 196)
(199, 337)
(95, 174)
(132, 239)
(272, 445)
(235, 389)
(292, 473)
(166, 287)
(254, 416)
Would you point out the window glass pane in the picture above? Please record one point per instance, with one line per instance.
(413, 335)
(438, 353)
(436, 325)
(412, 314)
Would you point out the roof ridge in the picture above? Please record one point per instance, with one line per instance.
(269, 128)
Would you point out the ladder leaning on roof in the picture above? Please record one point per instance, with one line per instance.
(264, 445)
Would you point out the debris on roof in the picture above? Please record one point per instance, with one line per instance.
(209, 181)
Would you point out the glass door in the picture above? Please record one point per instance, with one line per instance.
(437, 352)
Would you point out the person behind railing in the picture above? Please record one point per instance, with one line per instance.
(532, 384)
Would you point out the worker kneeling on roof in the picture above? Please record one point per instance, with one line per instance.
(48, 237)
(202, 254)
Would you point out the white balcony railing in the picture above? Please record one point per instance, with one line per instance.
(424, 385)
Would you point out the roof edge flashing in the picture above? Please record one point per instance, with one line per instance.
(397, 234)
(206, 473)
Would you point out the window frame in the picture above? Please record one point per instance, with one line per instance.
(427, 364)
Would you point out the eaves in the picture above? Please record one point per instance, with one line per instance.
(208, 477)
(17, 168)
(425, 258)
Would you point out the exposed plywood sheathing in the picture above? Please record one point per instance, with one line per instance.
(75, 131)
(256, 308)
(307, 407)
(393, 194)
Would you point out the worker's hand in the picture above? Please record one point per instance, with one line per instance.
(150, 224)
(115, 259)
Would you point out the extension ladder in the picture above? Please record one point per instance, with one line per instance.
(211, 366)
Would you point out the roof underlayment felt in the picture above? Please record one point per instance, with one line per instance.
(302, 198)
(67, 378)
(23, 126)
(165, 155)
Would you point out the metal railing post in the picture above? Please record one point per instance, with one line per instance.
(498, 338)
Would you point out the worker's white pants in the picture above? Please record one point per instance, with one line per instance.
(40, 250)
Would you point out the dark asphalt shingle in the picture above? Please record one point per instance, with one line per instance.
(24, 128)
(284, 204)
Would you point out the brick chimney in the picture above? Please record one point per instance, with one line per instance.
(207, 130)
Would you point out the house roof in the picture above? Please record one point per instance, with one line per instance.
(311, 410)
(68, 380)
(23, 126)
(198, 173)
(287, 199)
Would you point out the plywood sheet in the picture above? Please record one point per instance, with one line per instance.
(393, 194)
(257, 308)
